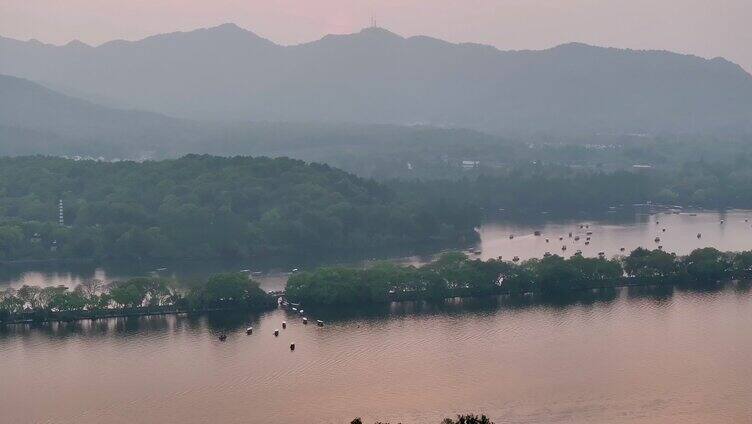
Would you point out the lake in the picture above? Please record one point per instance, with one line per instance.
(627, 356)
(728, 231)
(631, 356)
(610, 232)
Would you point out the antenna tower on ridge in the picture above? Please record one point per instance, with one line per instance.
(61, 219)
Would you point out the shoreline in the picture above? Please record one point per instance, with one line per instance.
(142, 312)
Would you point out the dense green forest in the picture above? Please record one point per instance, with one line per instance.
(453, 274)
(538, 187)
(207, 207)
(204, 207)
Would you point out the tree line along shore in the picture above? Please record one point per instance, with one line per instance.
(93, 299)
(453, 274)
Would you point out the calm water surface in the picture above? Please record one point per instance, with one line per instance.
(610, 235)
(677, 357)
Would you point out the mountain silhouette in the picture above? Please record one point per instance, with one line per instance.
(227, 73)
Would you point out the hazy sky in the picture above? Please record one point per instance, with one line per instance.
(707, 28)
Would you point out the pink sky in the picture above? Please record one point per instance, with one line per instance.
(707, 28)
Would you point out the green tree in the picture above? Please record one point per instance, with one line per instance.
(708, 265)
(651, 264)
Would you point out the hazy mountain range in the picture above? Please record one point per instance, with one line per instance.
(226, 73)
(37, 120)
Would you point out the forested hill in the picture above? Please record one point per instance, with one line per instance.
(209, 207)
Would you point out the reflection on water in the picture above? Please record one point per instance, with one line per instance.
(231, 321)
(637, 355)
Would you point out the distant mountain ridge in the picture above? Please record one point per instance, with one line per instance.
(374, 76)
(37, 120)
